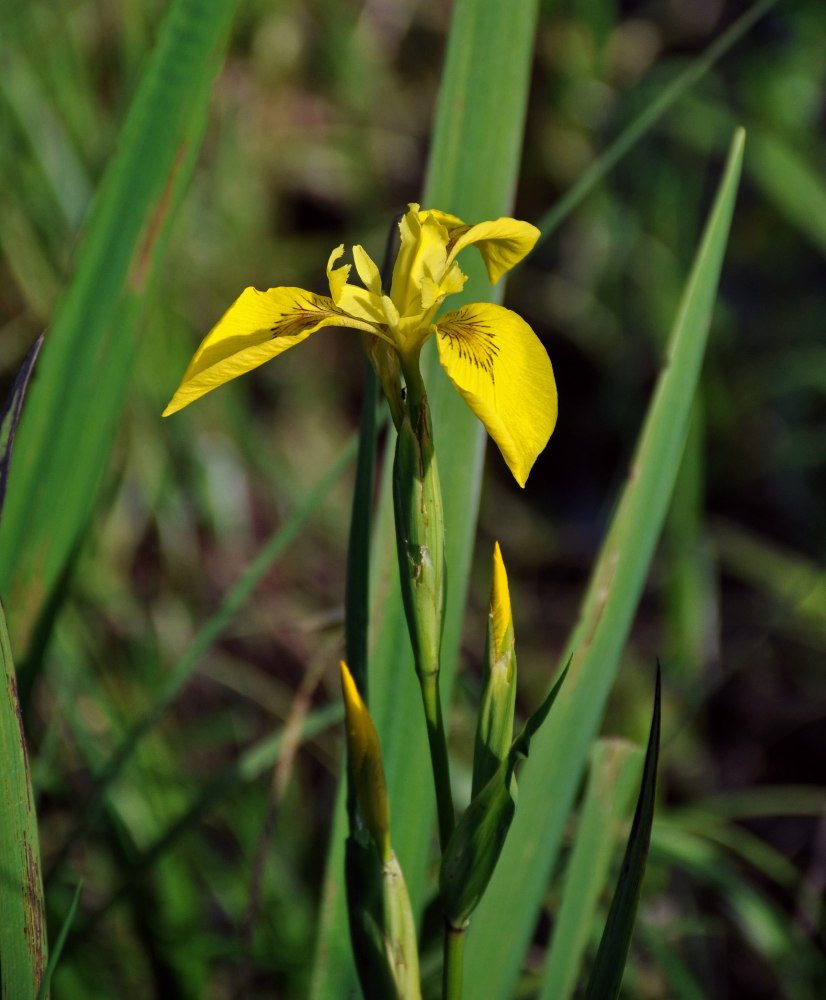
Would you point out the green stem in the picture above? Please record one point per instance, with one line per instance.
(356, 596)
(438, 755)
(416, 394)
(454, 954)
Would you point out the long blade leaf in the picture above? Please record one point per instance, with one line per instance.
(615, 768)
(23, 948)
(555, 767)
(606, 975)
(84, 372)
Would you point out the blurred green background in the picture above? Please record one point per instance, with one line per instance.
(317, 135)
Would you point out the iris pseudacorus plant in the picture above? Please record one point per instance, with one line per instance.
(491, 354)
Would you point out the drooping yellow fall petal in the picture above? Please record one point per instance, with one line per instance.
(256, 327)
(502, 243)
(504, 374)
(364, 756)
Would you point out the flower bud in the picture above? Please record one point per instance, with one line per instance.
(364, 756)
(494, 725)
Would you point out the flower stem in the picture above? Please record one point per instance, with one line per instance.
(454, 954)
(438, 755)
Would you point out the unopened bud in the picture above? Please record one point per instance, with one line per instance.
(364, 756)
(494, 726)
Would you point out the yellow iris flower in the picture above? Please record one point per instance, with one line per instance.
(490, 353)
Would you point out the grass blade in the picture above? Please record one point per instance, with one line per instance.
(515, 893)
(614, 770)
(60, 940)
(609, 965)
(23, 946)
(86, 364)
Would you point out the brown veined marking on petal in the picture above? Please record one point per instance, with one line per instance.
(454, 238)
(473, 341)
(300, 319)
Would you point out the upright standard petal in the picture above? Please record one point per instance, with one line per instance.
(256, 327)
(504, 374)
(422, 258)
(502, 243)
(360, 303)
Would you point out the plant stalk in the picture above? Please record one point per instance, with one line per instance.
(438, 755)
(454, 956)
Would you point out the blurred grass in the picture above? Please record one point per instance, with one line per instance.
(318, 133)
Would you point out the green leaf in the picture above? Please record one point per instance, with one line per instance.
(23, 948)
(86, 364)
(471, 855)
(615, 768)
(606, 975)
(60, 941)
(516, 891)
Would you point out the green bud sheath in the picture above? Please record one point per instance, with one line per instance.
(473, 850)
(400, 932)
(471, 855)
(382, 927)
(365, 911)
(420, 537)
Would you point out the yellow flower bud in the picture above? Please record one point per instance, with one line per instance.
(364, 756)
(494, 726)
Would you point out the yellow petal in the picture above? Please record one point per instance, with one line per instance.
(337, 276)
(256, 327)
(422, 257)
(367, 270)
(502, 243)
(359, 303)
(365, 763)
(501, 369)
(445, 218)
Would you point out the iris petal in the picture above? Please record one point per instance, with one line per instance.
(256, 327)
(502, 371)
(502, 243)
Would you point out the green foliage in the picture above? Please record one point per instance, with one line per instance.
(23, 945)
(89, 354)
